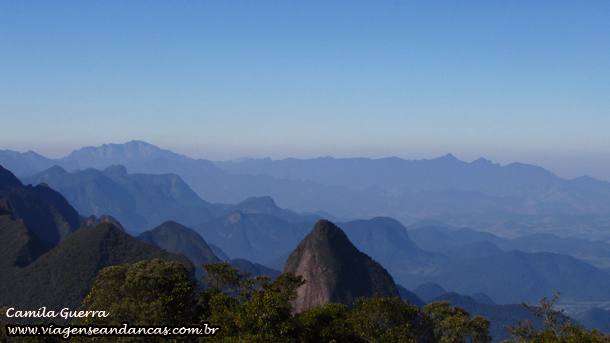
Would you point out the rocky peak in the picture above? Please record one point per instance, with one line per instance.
(335, 270)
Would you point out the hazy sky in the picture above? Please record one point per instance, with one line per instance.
(525, 81)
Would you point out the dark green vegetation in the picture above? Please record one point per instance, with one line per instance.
(556, 327)
(45, 259)
(20, 246)
(45, 211)
(499, 316)
(257, 310)
(147, 292)
(64, 275)
(407, 295)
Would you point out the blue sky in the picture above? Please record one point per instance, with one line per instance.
(525, 81)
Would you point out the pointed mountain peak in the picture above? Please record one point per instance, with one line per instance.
(54, 171)
(335, 270)
(449, 158)
(328, 230)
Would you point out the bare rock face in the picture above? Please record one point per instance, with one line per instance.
(334, 270)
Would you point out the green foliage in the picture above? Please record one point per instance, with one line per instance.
(499, 315)
(556, 327)
(384, 320)
(444, 324)
(257, 310)
(328, 323)
(373, 320)
(65, 275)
(155, 292)
(249, 309)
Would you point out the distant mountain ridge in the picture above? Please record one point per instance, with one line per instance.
(479, 194)
(458, 243)
(29, 163)
(515, 277)
(114, 154)
(258, 237)
(397, 175)
(138, 201)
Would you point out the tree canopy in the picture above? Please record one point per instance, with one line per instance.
(259, 309)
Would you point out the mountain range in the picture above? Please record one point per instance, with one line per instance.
(526, 239)
(480, 194)
(465, 242)
(463, 260)
(49, 260)
(249, 231)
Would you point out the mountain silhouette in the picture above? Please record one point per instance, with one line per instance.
(63, 276)
(138, 201)
(46, 212)
(335, 270)
(179, 239)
